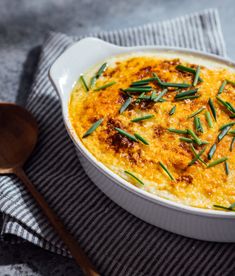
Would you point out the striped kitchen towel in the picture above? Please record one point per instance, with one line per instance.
(116, 242)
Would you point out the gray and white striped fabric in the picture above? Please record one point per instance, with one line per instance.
(117, 242)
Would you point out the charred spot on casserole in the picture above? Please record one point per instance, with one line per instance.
(157, 118)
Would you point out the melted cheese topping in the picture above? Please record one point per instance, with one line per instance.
(194, 185)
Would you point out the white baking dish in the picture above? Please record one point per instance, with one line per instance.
(210, 225)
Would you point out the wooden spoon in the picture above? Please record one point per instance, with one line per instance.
(18, 137)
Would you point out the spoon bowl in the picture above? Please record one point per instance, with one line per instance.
(18, 137)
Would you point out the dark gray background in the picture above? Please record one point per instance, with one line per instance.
(23, 25)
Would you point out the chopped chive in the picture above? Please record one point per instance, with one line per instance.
(125, 105)
(197, 140)
(221, 89)
(226, 167)
(209, 119)
(232, 131)
(223, 133)
(231, 145)
(153, 96)
(133, 176)
(187, 98)
(196, 76)
(92, 82)
(187, 140)
(230, 82)
(93, 128)
(142, 118)
(141, 139)
(84, 83)
(160, 95)
(231, 107)
(186, 93)
(225, 208)
(211, 152)
(227, 105)
(124, 133)
(105, 86)
(195, 153)
(144, 81)
(101, 70)
(172, 111)
(188, 70)
(179, 131)
(197, 157)
(198, 124)
(98, 74)
(216, 162)
(228, 124)
(212, 107)
(138, 89)
(167, 171)
(196, 112)
(170, 84)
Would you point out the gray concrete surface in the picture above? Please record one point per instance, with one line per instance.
(23, 24)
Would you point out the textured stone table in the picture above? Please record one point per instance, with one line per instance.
(23, 25)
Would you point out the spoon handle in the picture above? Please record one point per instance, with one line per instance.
(75, 250)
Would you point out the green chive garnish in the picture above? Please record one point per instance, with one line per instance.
(84, 83)
(133, 176)
(196, 112)
(226, 167)
(232, 205)
(142, 118)
(198, 124)
(92, 82)
(196, 76)
(105, 86)
(221, 89)
(231, 145)
(211, 152)
(216, 162)
(125, 105)
(160, 95)
(187, 140)
(153, 96)
(167, 171)
(188, 70)
(124, 133)
(93, 128)
(213, 111)
(227, 105)
(179, 131)
(197, 157)
(141, 139)
(144, 81)
(186, 93)
(187, 98)
(172, 111)
(138, 89)
(228, 124)
(170, 84)
(101, 70)
(197, 140)
(98, 74)
(223, 133)
(209, 119)
(195, 154)
(225, 208)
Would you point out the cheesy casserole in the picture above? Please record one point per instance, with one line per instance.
(163, 123)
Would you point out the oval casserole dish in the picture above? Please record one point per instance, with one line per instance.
(210, 225)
